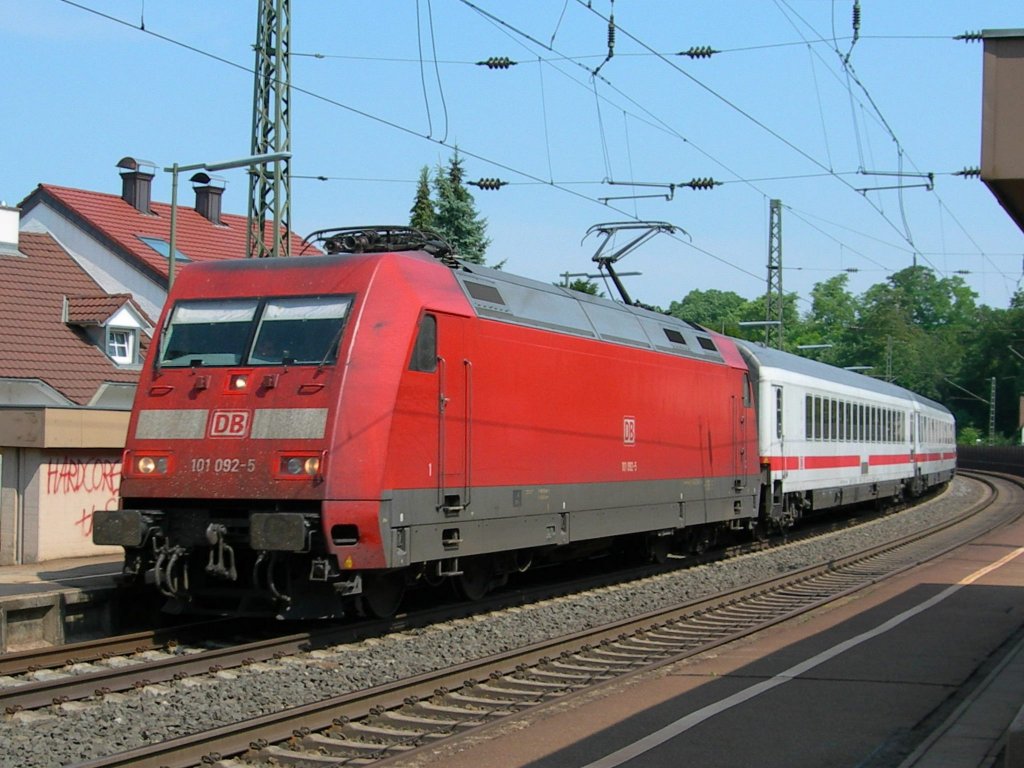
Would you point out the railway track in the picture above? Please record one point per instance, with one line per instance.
(41, 677)
(368, 726)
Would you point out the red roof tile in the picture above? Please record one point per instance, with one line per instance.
(111, 217)
(36, 343)
(97, 309)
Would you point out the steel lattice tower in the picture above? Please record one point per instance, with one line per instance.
(270, 183)
(773, 329)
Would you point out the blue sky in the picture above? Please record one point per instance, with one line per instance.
(386, 87)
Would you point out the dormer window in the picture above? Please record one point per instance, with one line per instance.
(121, 345)
(112, 323)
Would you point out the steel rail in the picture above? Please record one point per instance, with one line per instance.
(593, 657)
(63, 686)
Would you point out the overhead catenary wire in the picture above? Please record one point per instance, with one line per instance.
(383, 121)
(528, 177)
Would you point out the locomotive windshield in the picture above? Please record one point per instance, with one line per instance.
(275, 331)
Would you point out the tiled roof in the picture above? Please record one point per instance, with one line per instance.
(97, 309)
(35, 342)
(113, 219)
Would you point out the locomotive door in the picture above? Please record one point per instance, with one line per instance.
(739, 444)
(742, 410)
(455, 400)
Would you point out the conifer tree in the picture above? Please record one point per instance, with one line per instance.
(422, 214)
(456, 216)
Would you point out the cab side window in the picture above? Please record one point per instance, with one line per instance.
(424, 352)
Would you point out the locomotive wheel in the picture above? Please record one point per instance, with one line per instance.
(382, 594)
(475, 580)
(658, 549)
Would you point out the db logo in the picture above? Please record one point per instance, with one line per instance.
(229, 424)
(629, 430)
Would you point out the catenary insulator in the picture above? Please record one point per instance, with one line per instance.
(969, 173)
(488, 183)
(497, 62)
(969, 37)
(701, 183)
(699, 52)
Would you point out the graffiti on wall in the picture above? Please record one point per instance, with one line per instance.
(76, 486)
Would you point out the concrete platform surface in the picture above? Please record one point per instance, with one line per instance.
(925, 670)
(58, 601)
(71, 573)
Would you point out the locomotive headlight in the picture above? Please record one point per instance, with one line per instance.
(300, 466)
(239, 382)
(151, 465)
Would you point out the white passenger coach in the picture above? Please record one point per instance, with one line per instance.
(828, 436)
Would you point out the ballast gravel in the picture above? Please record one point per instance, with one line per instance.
(72, 733)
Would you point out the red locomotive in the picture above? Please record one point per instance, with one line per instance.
(319, 432)
(316, 430)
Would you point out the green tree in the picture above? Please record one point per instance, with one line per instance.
(830, 321)
(754, 311)
(992, 350)
(912, 329)
(583, 286)
(717, 310)
(456, 216)
(833, 312)
(422, 214)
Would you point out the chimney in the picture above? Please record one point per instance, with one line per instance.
(136, 182)
(209, 190)
(10, 218)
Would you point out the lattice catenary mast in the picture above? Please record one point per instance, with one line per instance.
(773, 302)
(270, 183)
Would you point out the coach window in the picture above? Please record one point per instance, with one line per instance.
(808, 417)
(817, 418)
(424, 352)
(778, 412)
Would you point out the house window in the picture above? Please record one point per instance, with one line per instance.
(121, 346)
(164, 249)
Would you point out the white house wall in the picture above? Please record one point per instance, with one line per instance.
(47, 502)
(111, 273)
